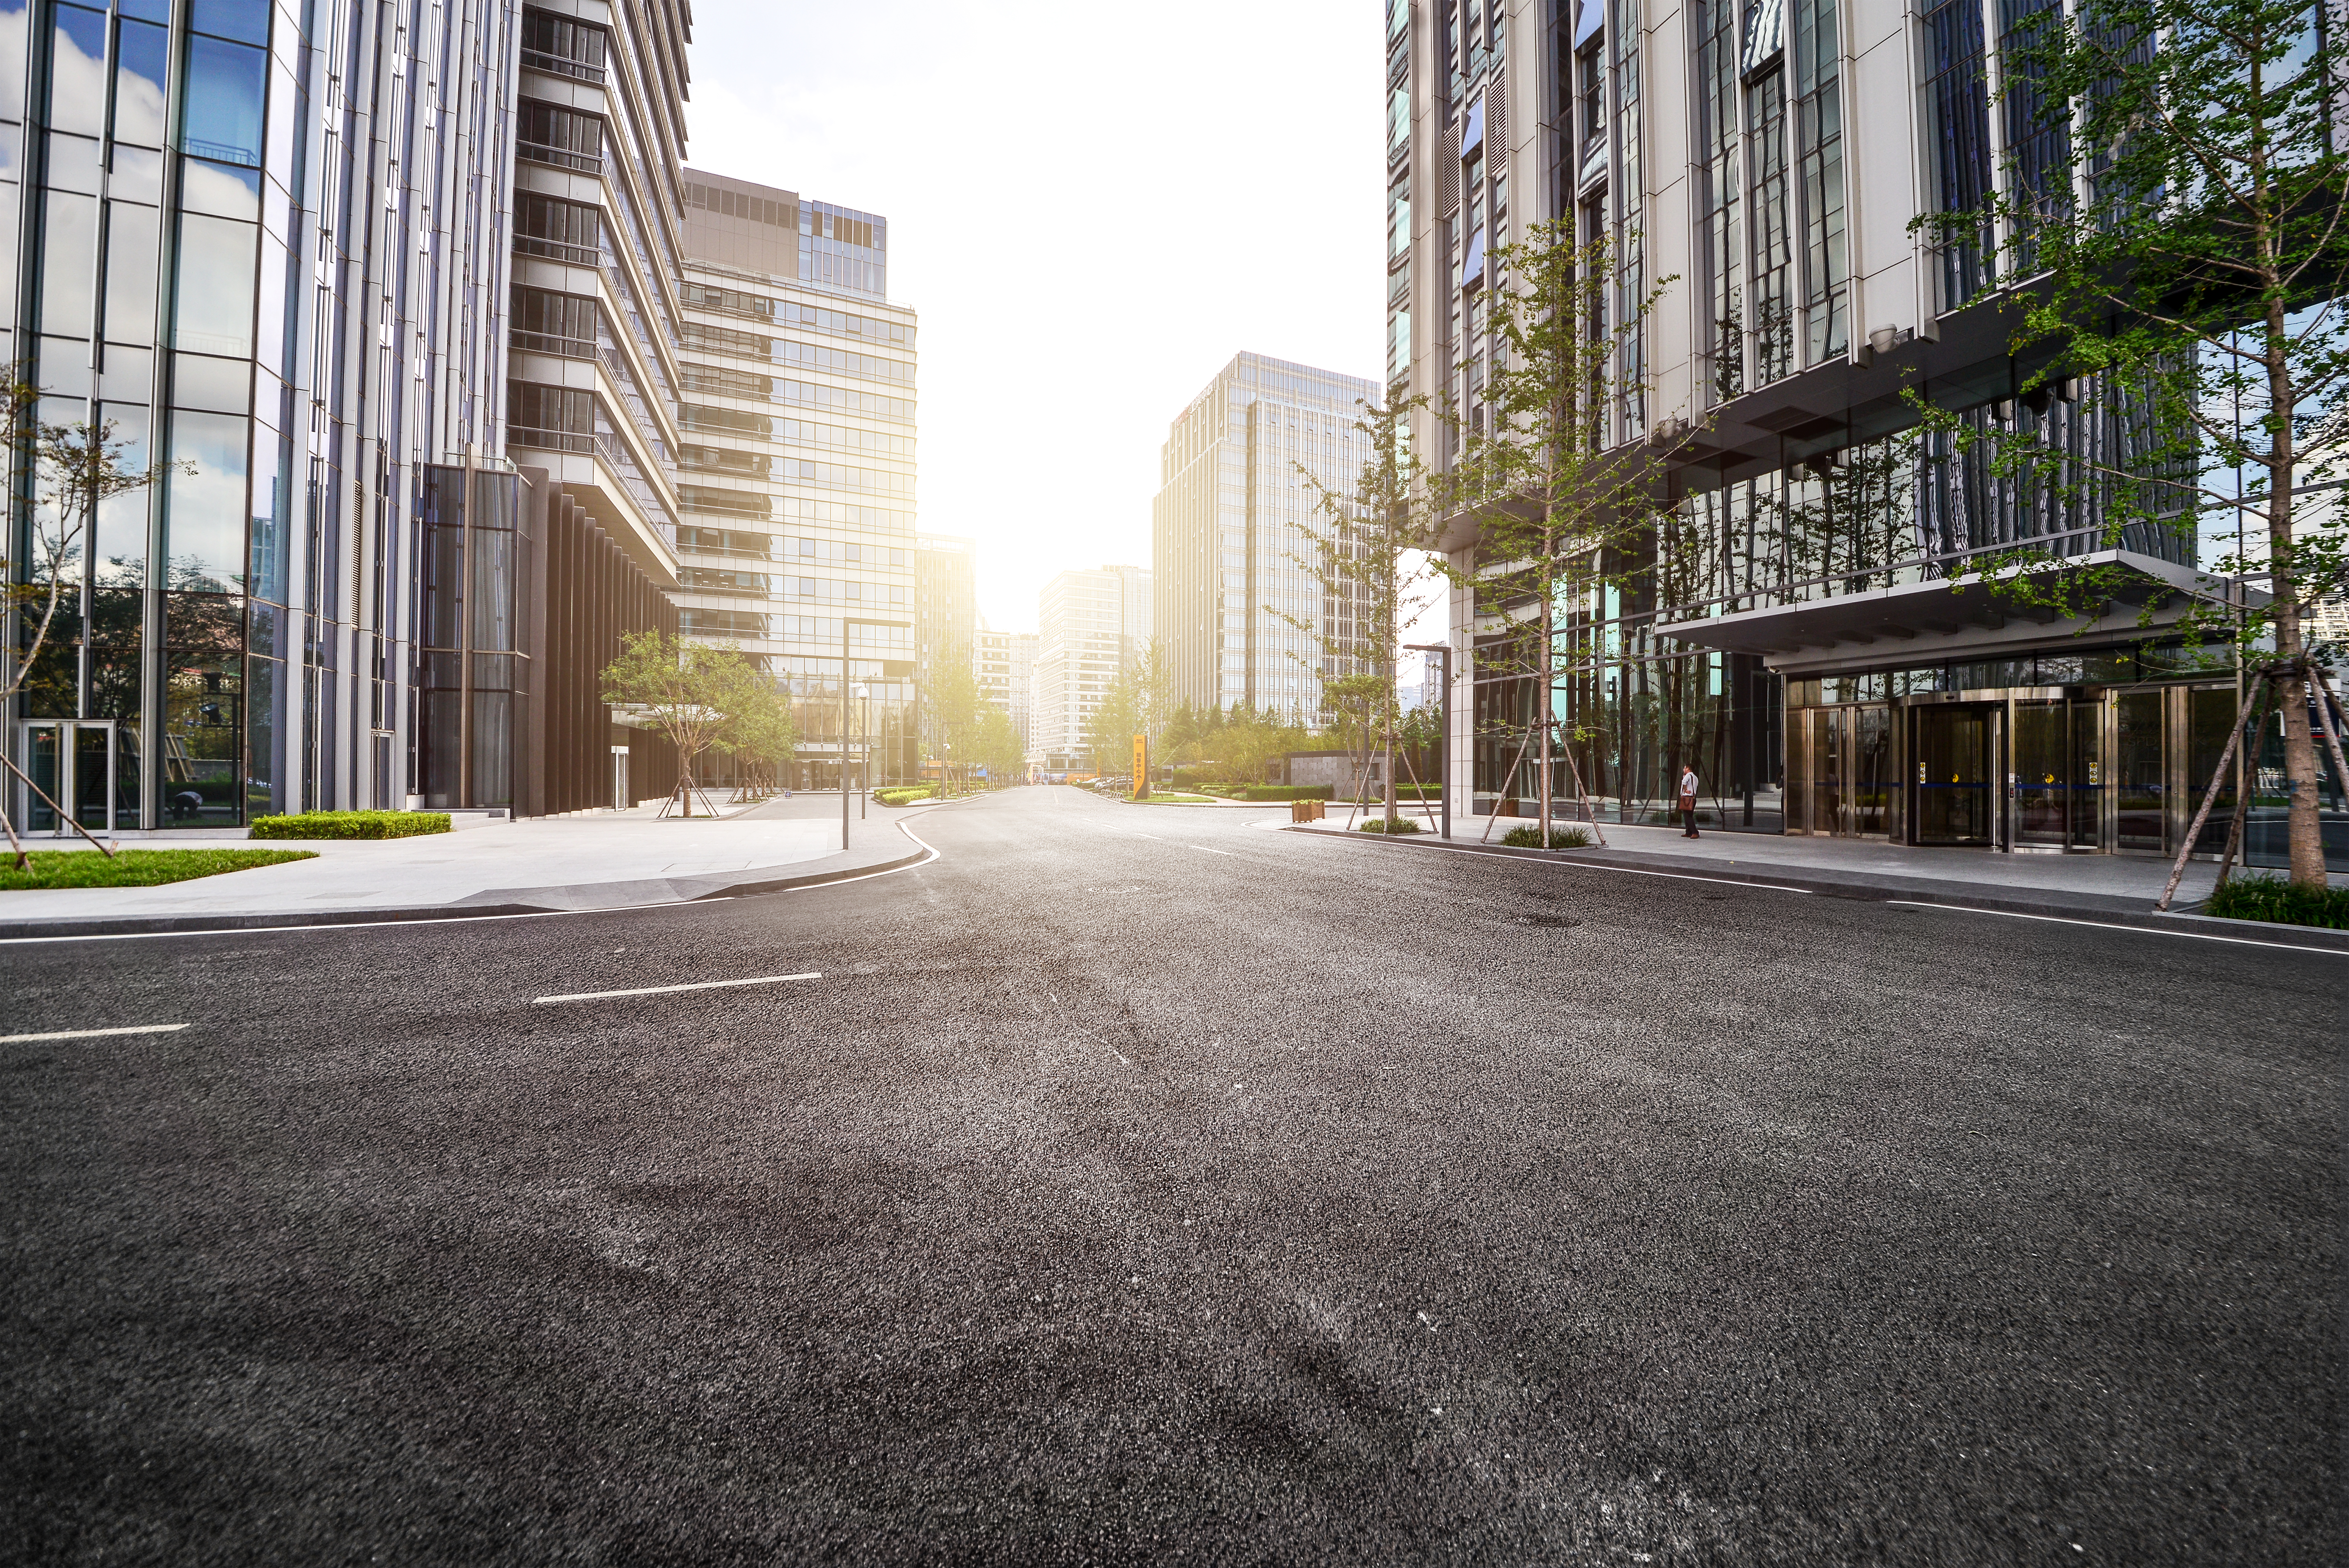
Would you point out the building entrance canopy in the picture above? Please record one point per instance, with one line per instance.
(1950, 616)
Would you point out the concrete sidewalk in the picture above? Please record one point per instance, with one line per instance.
(603, 859)
(2108, 888)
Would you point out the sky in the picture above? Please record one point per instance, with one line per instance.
(1092, 206)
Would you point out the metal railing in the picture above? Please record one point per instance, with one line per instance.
(547, 342)
(556, 250)
(560, 157)
(562, 66)
(551, 441)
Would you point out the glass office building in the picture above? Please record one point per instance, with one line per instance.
(1794, 623)
(271, 245)
(797, 463)
(1233, 525)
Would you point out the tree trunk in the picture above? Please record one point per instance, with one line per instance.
(1541, 687)
(2306, 825)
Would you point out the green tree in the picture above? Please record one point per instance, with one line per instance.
(757, 727)
(955, 707)
(1369, 553)
(2172, 214)
(1563, 493)
(681, 689)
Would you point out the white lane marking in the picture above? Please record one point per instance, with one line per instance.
(665, 990)
(1204, 851)
(93, 1034)
(2103, 926)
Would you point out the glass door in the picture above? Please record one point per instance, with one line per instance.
(70, 762)
(2043, 776)
(2140, 777)
(46, 765)
(1954, 800)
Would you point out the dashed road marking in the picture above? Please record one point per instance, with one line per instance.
(93, 1034)
(665, 990)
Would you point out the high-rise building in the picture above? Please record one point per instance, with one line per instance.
(945, 602)
(591, 407)
(1811, 648)
(1080, 652)
(272, 242)
(796, 466)
(1234, 528)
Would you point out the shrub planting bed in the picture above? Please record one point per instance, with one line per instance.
(1529, 838)
(1389, 825)
(904, 797)
(135, 868)
(2277, 900)
(351, 825)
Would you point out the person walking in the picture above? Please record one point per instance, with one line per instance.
(1688, 801)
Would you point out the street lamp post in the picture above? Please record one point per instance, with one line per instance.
(1443, 749)
(864, 747)
(846, 621)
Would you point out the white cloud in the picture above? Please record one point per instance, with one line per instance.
(1092, 206)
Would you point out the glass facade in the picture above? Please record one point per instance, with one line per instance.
(268, 245)
(1235, 522)
(1753, 627)
(797, 480)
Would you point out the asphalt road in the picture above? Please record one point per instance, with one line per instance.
(1138, 1185)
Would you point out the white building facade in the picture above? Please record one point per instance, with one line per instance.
(1234, 525)
(1080, 651)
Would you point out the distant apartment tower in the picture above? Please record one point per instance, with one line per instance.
(945, 602)
(796, 459)
(1004, 663)
(1080, 651)
(1233, 520)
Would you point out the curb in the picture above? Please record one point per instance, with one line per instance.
(2101, 909)
(197, 925)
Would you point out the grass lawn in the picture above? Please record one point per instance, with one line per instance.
(135, 868)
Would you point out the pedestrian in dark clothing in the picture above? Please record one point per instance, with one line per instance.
(1688, 801)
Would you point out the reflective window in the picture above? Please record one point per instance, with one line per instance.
(12, 34)
(130, 239)
(68, 245)
(138, 174)
(220, 188)
(73, 163)
(139, 55)
(215, 287)
(77, 71)
(12, 149)
(121, 552)
(206, 381)
(204, 514)
(247, 20)
(225, 97)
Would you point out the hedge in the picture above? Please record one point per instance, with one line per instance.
(1284, 792)
(904, 797)
(351, 825)
(1389, 825)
